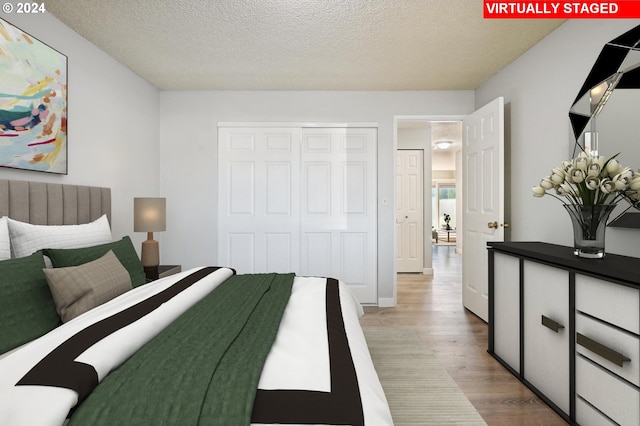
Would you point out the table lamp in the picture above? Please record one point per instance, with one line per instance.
(149, 215)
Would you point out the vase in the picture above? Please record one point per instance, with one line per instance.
(589, 225)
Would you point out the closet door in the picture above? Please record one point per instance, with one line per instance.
(338, 207)
(258, 211)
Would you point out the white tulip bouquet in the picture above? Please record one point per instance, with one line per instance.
(589, 180)
(590, 188)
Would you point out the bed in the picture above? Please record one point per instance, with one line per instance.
(85, 339)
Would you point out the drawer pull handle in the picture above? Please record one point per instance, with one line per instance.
(551, 324)
(598, 348)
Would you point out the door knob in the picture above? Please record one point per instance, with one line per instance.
(492, 225)
(506, 225)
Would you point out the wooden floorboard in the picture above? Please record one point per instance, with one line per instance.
(433, 307)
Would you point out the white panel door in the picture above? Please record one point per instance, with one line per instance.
(483, 180)
(409, 214)
(338, 207)
(258, 222)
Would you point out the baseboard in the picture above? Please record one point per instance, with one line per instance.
(387, 302)
(427, 271)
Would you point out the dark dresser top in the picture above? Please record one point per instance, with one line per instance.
(613, 267)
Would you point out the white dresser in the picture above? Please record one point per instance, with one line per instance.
(568, 328)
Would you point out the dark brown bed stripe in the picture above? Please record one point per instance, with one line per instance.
(59, 369)
(341, 406)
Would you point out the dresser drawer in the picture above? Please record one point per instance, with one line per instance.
(613, 303)
(621, 345)
(615, 398)
(586, 415)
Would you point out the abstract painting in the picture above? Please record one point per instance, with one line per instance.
(33, 103)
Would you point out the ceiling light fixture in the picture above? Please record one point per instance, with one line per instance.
(443, 144)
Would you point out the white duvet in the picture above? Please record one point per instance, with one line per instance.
(298, 359)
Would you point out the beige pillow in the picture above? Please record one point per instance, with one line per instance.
(77, 289)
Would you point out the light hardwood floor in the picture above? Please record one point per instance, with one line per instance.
(433, 307)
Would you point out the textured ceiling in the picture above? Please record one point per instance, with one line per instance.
(303, 44)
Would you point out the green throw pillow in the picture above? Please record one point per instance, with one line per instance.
(123, 249)
(27, 310)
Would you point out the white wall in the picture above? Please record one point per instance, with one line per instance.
(112, 123)
(188, 155)
(540, 87)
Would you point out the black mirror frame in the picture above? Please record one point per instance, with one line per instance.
(607, 65)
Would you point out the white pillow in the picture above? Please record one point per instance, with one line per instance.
(5, 242)
(26, 238)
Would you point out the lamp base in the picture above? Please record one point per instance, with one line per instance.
(150, 254)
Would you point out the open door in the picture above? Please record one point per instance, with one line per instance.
(483, 205)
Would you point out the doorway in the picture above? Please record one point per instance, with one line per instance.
(440, 166)
(482, 184)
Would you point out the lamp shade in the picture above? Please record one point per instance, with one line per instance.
(149, 214)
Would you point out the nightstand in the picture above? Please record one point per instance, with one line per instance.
(161, 271)
(166, 270)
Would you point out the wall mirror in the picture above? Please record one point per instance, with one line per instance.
(605, 115)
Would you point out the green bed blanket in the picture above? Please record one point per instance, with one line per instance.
(204, 368)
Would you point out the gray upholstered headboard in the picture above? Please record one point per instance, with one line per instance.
(42, 203)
